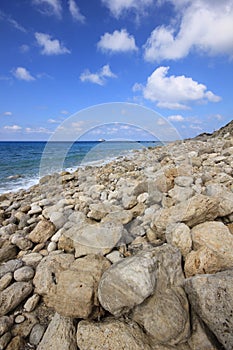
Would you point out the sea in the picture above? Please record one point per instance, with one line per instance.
(23, 163)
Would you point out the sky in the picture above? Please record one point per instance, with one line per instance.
(59, 57)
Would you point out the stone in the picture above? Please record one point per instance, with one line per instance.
(111, 334)
(12, 296)
(142, 198)
(179, 236)
(69, 286)
(192, 212)
(23, 329)
(25, 273)
(17, 343)
(8, 251)
(10, 266)
(165, 314)
(42, 232)
(19, 319)
(121, 216)
(60, 334)
(129, 201)
(183, 181)
(127, 283)
(35, 209)
(180, 194)
(99, 238)
(211, 298)
(225, 196)
(58, 219)
(32, 259)
(32, 303)
(99, 211)
(4, 340)
(21, 242)
(5, 280)
(36, 334)
(66, 244)
(52, 246)
(114, 256)
(5, 324)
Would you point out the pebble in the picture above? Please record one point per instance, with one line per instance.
(32, 303)
(19, 319)
(36, 334)
(25, 273)
(5, 281)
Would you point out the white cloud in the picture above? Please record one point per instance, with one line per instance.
(7, 114)
(24, 48)
(75, 12)
(204, 26)
(12, 22)
(50, 46)
(53, 121)
(176, 118)
(39, 130)
(119, 7)
(99, 77)
(174, 92)
(49, 7)
(118, 41)
(22, 73)
(13, 127)
(64, 111)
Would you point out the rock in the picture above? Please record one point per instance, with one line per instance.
(42, 232)
(19, 319)
(99, 211)
(114, 256)
(4, 340)
(97, 238)
(5, 324)
(13, 296)
(165, 315)
(60, 334)
(25, 273)
(5, 280)
(32, 259)
(225, 196)
(10, 266)
(194, 211)
(142, 198)
(58, 219)
(36, 334)
(52, 246)
(129, 201)
(183, 181)
(111, 334)
(70, 287)
(180, 194)
(32, 303)
(17, 343)
(66, 244)
(211, 298)
(120, 217)
(128, 283)
(179, 236)
(35, 209)
(21, 242)
(8, 251)
(23, 329)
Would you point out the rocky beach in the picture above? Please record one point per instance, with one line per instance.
(135, 254)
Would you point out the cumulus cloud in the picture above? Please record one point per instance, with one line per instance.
(118, 41)
(204, 26)
(176, 118)
(99, 77)
(50, 46)
(22, 73)
(13, 127)
(174, 92)
(119, 7)
(49, 7)
(75, 11)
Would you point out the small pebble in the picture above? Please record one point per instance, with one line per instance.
(19, 319)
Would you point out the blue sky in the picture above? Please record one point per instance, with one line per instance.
(61, 56)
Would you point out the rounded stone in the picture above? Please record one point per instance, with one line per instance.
(25, 273)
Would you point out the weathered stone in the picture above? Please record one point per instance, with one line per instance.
(179, 236)
(4, 340)
(121, 216)
(58, 219)
(70, 287)
(8, 251)
(66, 244)
(17, 343)
(129, 201)
(23, 329)
(32, 303)
(42, 232)
(114, 256)
(60, 334)
(111, 334)
(36, 334)
(25, 273)
(180, 194)
(32, 259)
(10, 266)
(183, 181)
(225, 196)
(211, 298)
(13, 296)
(21, 242)
(5, 280)
(19, 319)
(5, 324)
(52, 246)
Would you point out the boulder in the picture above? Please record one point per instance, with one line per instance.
(111, 334)
(12, 296)
(219, 191)
(211, 298)
(42, 232)
(179, 236)
(60, 334)
(69, 286)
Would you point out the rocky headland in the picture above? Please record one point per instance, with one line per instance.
(136, 254)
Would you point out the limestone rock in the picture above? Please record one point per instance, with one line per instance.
(180, 194)
(4, 340)
(111, 334)
(183, 181)
(31, 303)
(32, 259)
(225, 196)
(17, 343)
(5, 280)
(179, 236)
(5, 324)
(42, 232)
(10, 266)
(211, 298)
(13, 296)
(60, 334)
(8, 251)
(36, 334)
(25, 273)
(69, 286)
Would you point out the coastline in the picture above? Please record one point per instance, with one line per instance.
(133, 247)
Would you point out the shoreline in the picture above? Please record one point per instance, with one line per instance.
(133, 247)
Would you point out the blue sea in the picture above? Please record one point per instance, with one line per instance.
(23, 163)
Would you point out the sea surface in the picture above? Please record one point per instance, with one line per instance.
(23, 163)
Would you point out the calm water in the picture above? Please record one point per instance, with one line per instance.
(21, 166)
